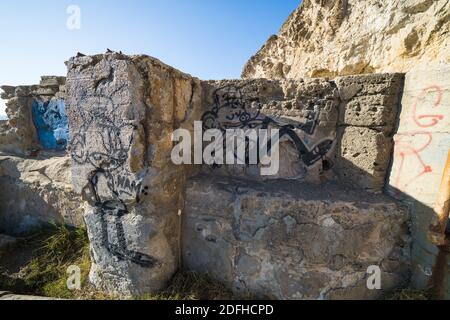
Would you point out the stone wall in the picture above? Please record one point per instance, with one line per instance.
(122, 112)
(367, 121)
(36, 118)
(311, 232)
(35, 175)
(305, 112)
(308, 232)
(36, 191)
(321, 125)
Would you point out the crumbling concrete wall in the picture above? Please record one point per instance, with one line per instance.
(35, 176)
(341, 129)
(36, 118)
(312, 232)
(122, 112)
(305, 112)
(303, 235)
(422, 143)
(290, 240)
(368, 117)
(36, 191)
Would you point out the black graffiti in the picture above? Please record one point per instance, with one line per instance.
(233, 109)
(108, 164)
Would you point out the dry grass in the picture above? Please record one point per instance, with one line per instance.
(53, 250)
(56, 248)
(187, 285)
(409, 294)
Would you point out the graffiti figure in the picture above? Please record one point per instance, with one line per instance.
(232, 109)
(114, 138)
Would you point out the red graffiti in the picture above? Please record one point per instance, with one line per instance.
(435, 118)
(404, 149)
(407, 151)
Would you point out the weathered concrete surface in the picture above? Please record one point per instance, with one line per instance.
(345, 125)
(29, 107)
(36, 184)
(421, 147)
(342, 37)
(291, 240)
(37, 191)
(305, 112)
(370, 101)
(122, 112)
(368, 116)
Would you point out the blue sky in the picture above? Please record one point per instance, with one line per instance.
(210, 39)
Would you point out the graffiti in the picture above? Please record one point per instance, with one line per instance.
(52, 125)
(234, 109)
(434, 118)
(110, 139)
(406, 150)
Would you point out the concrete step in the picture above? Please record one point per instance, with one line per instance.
(292, 240)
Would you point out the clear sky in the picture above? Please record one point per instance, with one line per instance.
(210, 39)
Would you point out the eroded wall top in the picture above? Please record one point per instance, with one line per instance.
(36, 117)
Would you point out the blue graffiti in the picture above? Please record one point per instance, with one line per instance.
(51, 124)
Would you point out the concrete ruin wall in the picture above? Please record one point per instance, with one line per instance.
(36, 117)
(311, 233)
(122, 111)
(290, 240)
(35, 176)
(370, 105)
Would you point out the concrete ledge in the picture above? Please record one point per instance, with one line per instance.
(291, 240)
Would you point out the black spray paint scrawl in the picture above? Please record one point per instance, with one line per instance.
(233, 109)
(108, 158)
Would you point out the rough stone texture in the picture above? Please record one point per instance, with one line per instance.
(305, 112)
(364, 108)
(363, 157)
(18, 135)
(370, 101)
(368, 117)
(36, 184)
(35, 192)
(122, 112)
(343, 37)
(421, 147)
(289, 240)
(305, 236)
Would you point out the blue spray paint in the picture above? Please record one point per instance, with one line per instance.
(51, 123)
